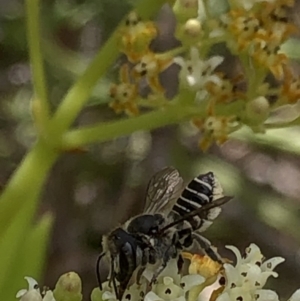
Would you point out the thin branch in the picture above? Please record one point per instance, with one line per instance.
(41, 105)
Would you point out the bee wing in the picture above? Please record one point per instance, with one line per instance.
(163, 190)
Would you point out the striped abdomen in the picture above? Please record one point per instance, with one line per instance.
(201, 190)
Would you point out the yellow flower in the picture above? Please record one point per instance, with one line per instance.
(215, 128)
(150, 66)
(124, 95)
(136, 36)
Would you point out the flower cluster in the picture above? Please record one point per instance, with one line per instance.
(33, 293)
(68, 287)
(222, 102)
(243, 281)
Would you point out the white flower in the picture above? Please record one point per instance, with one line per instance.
(171, 285)
(133, 293)
(33, 292)
(245, 280)
(195, 73)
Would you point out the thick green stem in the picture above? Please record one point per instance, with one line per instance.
(41, 105)
(27, 182)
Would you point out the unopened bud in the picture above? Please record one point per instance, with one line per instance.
(68, 288)
(192, 28)
(258, 110)
(96, 294)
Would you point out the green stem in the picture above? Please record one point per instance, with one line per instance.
(27, 181)
(79, 93)
(176, 112)
(113, 129)
(41, 105)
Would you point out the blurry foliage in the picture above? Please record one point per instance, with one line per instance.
(90, 193)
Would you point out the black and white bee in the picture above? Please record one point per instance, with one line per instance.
(172, 220)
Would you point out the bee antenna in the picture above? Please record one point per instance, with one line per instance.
(98, 269)
(216, 203)
(118, 293)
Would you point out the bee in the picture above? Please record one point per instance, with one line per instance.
(172, 220)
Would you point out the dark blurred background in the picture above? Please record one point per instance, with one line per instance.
(92, 192)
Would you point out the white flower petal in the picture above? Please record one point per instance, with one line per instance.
(270, 264)
(171, 270)
(168, 292)
(201, 95)
(286, 113)
(223, 297)
(49, 296)
(31, 295)
(218, 32)
(295, 296)
(253, 254)
(151, 296)
(32, 283)
(189, 281)
(214, 61)
(264, 277)
(168, 281)
(108, 296)
(20, 293)
(265, 295)
(179, 61)
(232, 276)
(239, 294)
(251, 275)
(237, 254)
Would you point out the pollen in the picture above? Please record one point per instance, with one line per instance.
(202, 265)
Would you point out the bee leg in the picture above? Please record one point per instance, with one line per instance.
(148, 257)
(180, 263)
(112, 280)
(207, 247)
(139, 275)
(171, 252)
(188, 240)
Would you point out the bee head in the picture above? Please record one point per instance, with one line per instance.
(118, 241)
